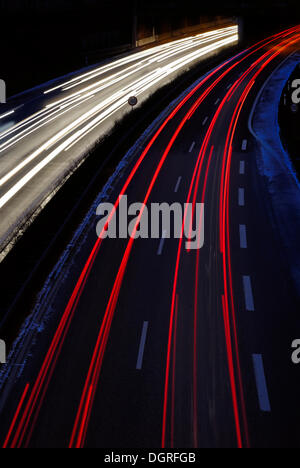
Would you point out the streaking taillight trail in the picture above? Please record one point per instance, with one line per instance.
(23, 425)
(227, 331)
(82, 418)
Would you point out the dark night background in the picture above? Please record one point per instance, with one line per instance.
(42, 39)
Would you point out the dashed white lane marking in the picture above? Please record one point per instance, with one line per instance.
(192, 147)
(140, 358)
(243, 236)
(161, 244)
(229, 86)
(204, 121)
(244, 145)
(217, 101)
(249, 301)
(241, 197)
(178, 183)
(242, 167)
(261, 383)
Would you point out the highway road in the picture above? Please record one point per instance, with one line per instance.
(147, 344)
(45, 133)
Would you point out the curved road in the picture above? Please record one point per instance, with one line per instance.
(149, 345)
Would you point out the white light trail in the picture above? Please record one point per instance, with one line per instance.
(72, 133)
(7, 114)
